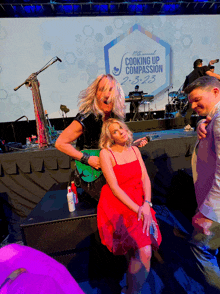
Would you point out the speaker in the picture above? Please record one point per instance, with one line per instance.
(52, 229)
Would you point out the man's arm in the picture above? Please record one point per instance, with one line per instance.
(201, 127)
(211, 206)
(212, 74)
(211, 62)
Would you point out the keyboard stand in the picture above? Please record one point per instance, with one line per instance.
(135, 105)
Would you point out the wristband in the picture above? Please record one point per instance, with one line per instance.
(150, 203)
(85, 158)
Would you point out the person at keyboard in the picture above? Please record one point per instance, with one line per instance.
(134, 104)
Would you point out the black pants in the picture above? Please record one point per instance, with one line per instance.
(189, 112)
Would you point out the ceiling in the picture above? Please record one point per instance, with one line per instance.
(70, 8)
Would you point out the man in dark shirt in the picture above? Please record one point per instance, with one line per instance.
(135, 104)
(199, 71)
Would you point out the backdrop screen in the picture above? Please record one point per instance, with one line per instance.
(154, 52)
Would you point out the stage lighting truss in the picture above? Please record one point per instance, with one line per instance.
(47, 8)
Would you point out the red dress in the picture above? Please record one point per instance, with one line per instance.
(118, 225)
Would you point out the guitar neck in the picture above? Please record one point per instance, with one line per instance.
(136, 144)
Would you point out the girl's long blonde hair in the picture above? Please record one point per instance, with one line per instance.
(88, 101)
(106, 140)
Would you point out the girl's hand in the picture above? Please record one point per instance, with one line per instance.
(145, 214)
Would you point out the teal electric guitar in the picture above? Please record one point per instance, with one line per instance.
(88, 173)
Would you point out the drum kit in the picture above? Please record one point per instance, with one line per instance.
(177, 104)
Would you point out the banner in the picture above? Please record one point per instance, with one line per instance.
(139, 58)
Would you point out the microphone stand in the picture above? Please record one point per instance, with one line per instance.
(33, 75)
(41, 122)
(12, 125)
(64, 122)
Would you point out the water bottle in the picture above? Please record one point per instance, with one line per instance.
(70, 200)
(28, 143)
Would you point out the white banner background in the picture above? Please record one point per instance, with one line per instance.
(27, 44)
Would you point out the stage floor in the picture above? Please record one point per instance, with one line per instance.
(165, 134)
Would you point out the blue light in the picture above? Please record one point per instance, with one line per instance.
(29, 8)
(104, 8)
(170, 7)
(68, 8)
(147, 9)
(113, 8)
(39, 8)
(168, 1)
(59, 8)
(139, 8)
(76, 8)
(131, 8)
(95, 8)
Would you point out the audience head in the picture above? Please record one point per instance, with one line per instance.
(197, 63)
(203, 94)
(136, 88)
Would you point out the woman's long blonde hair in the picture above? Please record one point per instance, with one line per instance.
(106, 140)
(88, 101)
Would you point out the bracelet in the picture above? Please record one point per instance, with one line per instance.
(85, 158)
(150, 203)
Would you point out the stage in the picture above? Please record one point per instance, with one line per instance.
(26, 175)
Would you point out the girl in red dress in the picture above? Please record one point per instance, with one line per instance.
(126, 219)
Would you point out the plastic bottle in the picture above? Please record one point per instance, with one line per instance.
(70, 200)
(28, 143)
(74, 190)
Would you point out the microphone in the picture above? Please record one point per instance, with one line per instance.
(107, 101)
(58, 59)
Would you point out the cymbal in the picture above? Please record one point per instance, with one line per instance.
(173, 94)
(182, 96)
(64, 108)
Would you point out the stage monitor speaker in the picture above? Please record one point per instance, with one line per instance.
(52, 229)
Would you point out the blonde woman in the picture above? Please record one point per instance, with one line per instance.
(103, 99)
(126, 220)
